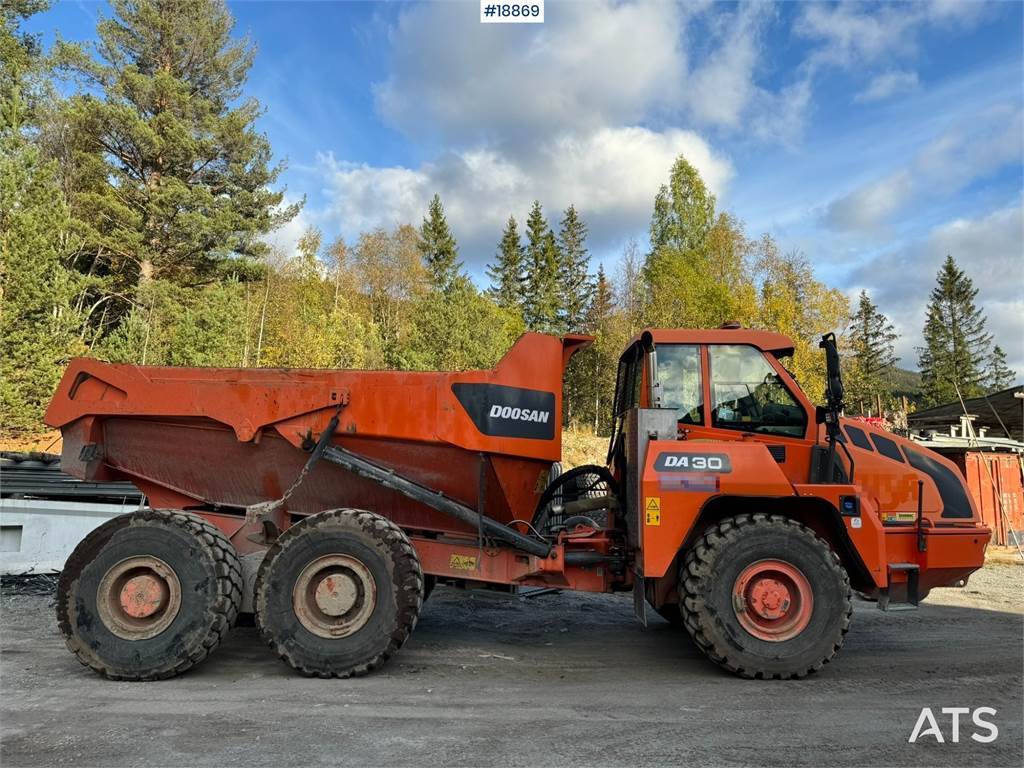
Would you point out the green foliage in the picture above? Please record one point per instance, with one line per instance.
(998, 374)
(507, 274)
(955, 340)
(21, 55)
(542, 291)
(870, 358)
(39, 320)
(171, 325)
(574, 284)
(793, 302)
(695, 274)
(439, 249)
(590, 379)
(390, 277)
(684, 211)
(459, 330)
(170, 177)
(314, 319)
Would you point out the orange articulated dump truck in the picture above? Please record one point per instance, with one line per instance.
(329, 503)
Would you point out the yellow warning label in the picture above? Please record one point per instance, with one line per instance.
(901, 517)
(462, 563)
(652, 510)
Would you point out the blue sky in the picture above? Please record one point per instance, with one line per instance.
(874, 138)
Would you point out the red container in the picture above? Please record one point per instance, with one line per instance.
(995, 482)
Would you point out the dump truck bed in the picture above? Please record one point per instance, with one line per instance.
(223, 439)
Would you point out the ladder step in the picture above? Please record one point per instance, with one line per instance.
(912, 570)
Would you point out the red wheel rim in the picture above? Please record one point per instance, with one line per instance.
(773, 600)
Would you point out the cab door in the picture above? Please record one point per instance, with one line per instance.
(735, 393)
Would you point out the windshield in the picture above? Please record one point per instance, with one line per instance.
(748, 395)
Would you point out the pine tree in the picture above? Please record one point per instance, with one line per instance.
(955, 340)
(574, 282)
(872, 357)
(439, 249)
(39, 317)
(39, 323)
(998, 374)
(589, 380)
(171, 176)
(507, 273)
(541, 294)
(21, 54)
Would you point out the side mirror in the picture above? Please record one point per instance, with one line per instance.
(834, 376)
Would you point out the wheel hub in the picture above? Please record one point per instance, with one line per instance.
(139, 597)
(143, 595)
(334, 596)
(773, 600)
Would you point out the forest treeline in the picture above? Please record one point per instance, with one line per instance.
(137, 196)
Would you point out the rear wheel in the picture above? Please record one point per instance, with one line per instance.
(148, 595)
(339, 593)
(763, 596)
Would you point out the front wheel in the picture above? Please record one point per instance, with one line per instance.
(763, 596)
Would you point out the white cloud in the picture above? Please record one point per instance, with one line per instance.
(720, 89)
(988, 249)
(859, 37)
(286, 237)
(589, 65)
(852, 34)
(611, 175)
(869, 206)
(964, 153)
(887, 85)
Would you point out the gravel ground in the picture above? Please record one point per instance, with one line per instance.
(558, 679)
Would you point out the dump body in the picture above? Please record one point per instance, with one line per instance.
(221, 440)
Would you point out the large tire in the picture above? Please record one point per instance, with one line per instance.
(173, 566)
(764, 597)
(339, 593)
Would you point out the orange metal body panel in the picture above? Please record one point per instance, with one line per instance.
(209, 438)
(467, 560)
(753, 473)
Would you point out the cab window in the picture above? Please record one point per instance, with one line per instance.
(679, 381)
(748, 395)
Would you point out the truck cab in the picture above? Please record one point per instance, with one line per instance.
(735, 433)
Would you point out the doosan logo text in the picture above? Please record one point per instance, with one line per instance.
(518, 414)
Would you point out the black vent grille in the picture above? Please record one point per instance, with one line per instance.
(778, 453)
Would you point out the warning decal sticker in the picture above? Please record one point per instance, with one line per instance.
(462, 563)
(652, 510)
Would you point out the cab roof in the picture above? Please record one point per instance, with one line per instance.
(777, 344)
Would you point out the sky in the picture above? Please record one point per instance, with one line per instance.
(873, 138)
